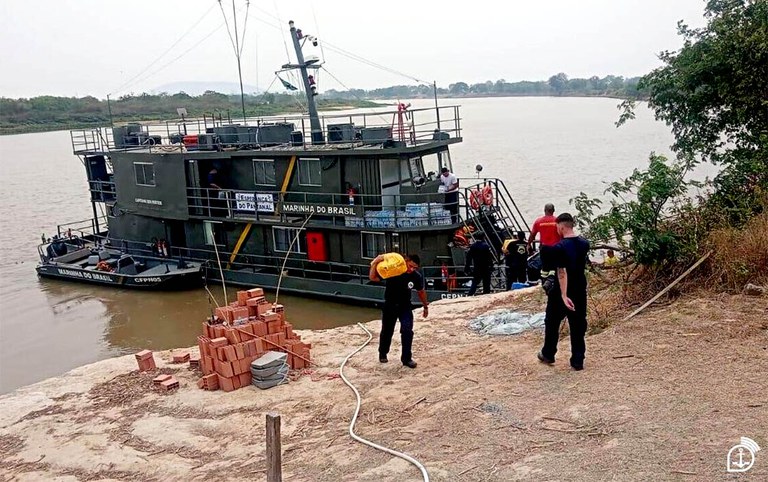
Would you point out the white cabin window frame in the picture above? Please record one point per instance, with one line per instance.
(287, 234)
(264, 172)
(310, 171)
(141, 167)
(209, 233)
(377, 247)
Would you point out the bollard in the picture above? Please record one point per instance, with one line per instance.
(274, 451)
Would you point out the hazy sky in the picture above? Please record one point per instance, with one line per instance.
(96, 47)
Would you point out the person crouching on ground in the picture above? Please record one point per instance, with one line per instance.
(397, 306)
(479, 263)
(568, 296)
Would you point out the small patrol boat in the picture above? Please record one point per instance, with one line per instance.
(78, 259)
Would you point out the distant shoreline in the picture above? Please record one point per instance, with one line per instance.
(344, 104)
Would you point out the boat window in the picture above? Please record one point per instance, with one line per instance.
(444, 160)
(310, 172)
(145, 173)
(264, 172)
(417, 167)
(372, 244)
(283, 237)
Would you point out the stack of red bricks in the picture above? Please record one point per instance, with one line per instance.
(242, 332)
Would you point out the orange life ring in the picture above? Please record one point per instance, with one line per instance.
(488, 196)
(475, 199)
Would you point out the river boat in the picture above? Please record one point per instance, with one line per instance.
(74, 259)
(301, 201)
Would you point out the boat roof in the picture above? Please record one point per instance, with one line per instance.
(397, 131)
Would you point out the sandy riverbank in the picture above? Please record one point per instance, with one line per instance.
(663, 397)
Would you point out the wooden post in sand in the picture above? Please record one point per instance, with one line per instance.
(274, 451)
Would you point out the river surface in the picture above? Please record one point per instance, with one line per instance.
(545, 150)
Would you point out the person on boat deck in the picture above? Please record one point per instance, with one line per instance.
(546, 228)
(215, 185)
(397, 306)
(479, 264)
(516, 260)
(451, 184)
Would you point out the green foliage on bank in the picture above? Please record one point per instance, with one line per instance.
(47, 113)
(713, 93)
(557, 85)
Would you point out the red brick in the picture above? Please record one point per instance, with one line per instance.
(225, 313)
(220, 341)
(226, 384)
(170, 384)
(224, 369)
(239, 351)
(260, 328)
(248, 328)
(298, 363)
(252, 302)
(288, 331)
(255, 292)
(263, 308)
(147, 364)
(242, 297)
(259, 347)
(211, 382)
(236, 382)
(181, 358)
(207, 365)
(240, 313)
(278, 308)
(245, 379)
(230, 352)
(144, 354)
(160, 379)
(273, 326)
(281, 339)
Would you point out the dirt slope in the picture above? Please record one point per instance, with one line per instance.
(663, 397)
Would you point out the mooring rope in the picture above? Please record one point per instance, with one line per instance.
(352, 433)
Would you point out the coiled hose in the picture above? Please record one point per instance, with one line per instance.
(356, 437)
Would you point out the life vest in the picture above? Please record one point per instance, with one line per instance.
(487, 195)
(475, 199)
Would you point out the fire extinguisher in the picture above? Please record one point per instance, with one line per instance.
(444, 273)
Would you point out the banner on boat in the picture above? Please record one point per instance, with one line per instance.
(254, 202)
(321, 209)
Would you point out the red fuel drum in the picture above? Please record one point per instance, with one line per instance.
(317, 249)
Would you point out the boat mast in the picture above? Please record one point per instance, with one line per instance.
(314, 119)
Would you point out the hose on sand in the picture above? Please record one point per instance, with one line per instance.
(356, 437)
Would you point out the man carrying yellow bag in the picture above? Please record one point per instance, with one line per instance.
(401, 275)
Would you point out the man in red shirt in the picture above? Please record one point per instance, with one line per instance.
(546, 228)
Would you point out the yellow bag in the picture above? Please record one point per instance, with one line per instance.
(505, 246)
(392, 265)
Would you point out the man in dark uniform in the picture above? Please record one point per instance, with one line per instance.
(516, 259)
(397, 306)
(568, 296)
(479, 263)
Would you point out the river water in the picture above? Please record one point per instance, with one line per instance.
(545, 149)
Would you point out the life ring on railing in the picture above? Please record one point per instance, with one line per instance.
(475, 199)
(488, 196)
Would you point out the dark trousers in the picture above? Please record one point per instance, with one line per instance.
(389, 317)
(547, 261)
(577, 323)
(485, 276)
(516, 274)
(452, 205)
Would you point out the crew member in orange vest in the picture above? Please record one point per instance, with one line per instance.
(546, 228)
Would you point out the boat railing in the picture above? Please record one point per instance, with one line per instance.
(417, 210)
(370, 128)
(441, 276)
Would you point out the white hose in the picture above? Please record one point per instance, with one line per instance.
(352, 434)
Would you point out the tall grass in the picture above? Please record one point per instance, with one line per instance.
(740, 256)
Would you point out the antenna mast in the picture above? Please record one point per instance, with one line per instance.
(314, 119)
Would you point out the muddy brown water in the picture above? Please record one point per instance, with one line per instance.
(545, 149)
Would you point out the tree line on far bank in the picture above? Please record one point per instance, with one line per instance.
(557, 85)
(50, 113)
